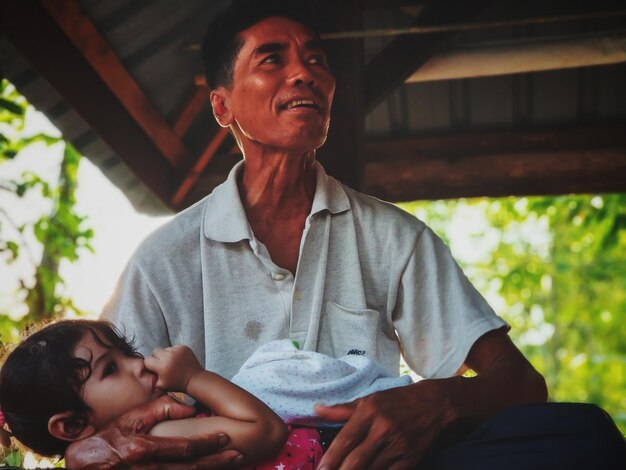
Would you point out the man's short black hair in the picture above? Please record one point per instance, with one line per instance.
(222, 42)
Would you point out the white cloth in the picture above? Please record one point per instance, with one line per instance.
(291, 381)
(371, 279)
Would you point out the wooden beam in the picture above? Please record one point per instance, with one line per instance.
(405, 54)
(81, 31)
(587, 136)
(198, 167)
(520, 174)
(582, 159)
(39, 39)
(523, 58)
(194, 106)
(608, 134)
(342, 154)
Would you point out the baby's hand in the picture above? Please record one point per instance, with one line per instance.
(175, 367)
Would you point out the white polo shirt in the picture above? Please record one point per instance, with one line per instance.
(371, 280)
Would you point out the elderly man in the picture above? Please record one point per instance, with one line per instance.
(281, 250)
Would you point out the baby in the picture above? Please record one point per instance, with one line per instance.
(71, 378)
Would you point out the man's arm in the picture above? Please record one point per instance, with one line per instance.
(125, 443)
(395, 428)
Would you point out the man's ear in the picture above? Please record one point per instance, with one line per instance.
(221, 106)
(69, 426)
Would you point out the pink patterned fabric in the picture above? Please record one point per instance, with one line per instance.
(302, 451)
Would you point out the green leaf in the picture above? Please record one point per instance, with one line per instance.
(12, 107)
(21, 188)
(14, 249)
(14, 459)
(9, 154)
(41, 137)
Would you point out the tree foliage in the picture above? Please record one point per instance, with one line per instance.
(556, 267)
(60, 233)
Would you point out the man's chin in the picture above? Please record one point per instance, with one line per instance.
(304, 146)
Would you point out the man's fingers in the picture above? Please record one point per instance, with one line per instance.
(164, 408)
(125, 444)
(182, 448)
(350, 437)
(389, 459)
(336, 413)
(362, 455)
(167, 408)
(203, 445)
(395, 452)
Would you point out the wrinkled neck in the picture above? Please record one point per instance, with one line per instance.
(276, 181)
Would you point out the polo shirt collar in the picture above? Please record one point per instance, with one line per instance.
(225, 218)
(329, 194)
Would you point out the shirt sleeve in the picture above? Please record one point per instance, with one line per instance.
(134, 309)
(439, 314)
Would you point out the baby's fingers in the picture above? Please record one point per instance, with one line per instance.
(152, 363)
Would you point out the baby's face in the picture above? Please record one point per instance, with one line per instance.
(117, 382)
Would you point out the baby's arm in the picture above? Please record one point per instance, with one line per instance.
(254, 429)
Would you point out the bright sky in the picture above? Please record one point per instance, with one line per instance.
(118, 231)
(118, 227)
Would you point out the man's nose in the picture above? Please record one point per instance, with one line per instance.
(300, 74)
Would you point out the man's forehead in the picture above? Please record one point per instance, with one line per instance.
(277, 30)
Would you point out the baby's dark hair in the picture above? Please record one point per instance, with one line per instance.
(41, 377)
(222, 41)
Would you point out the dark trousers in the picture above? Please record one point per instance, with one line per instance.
(572, 436)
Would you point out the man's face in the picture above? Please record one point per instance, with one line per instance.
(282, 89)
(117, 383)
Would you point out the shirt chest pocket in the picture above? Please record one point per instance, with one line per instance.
(348, 331)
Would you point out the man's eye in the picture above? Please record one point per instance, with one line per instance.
(109, 369)
(318, 59)
(271, 59)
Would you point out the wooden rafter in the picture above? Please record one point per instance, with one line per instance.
(579, 159)
(405, 54)
(520, 174)
(31, 30)
(607, 134)
(342, 153)
(192, 177)
(83, 34)
(194, 106)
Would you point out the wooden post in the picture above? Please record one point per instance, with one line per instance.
(342, 155)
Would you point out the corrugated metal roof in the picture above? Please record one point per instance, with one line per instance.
(152, 40)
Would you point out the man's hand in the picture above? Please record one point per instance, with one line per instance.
(175, 367)
(125, 443)
(395, 429)
(389, 430)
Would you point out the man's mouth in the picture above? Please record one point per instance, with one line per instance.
(301, 103)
